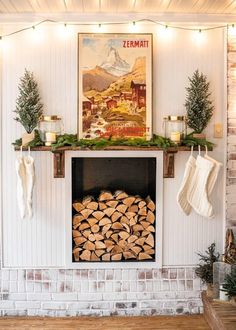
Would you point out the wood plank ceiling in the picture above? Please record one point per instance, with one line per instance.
(218, 7)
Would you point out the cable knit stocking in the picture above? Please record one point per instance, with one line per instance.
(21, 185)
(214, 173)
(198, 191)
(30, 176)
(182, 194)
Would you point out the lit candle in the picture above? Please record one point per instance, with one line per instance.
(223, 295)
(50, 138)
(175, 137)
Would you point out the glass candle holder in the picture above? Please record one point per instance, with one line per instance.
(49, 128)
(175, 128)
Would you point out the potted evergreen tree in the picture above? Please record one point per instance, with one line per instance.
(198, 104)
(229, 286)
(205, 267)
(29, 108)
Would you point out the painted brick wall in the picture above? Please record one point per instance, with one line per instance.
(231, 140)
(100, 292)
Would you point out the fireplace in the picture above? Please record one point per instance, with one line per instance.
(114, 216)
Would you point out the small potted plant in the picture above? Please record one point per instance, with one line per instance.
(229, 286)
(28, 106)
(198, 104)
(205, 267)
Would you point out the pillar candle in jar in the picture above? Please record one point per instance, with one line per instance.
(50, 138)
(223, 295)
(175, 137)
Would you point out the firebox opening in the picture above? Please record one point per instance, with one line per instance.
(136, 176)
(125, 229)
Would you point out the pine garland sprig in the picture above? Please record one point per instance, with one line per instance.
(156, 141)
(190, 141)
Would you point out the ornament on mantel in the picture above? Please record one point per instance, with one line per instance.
(198, 104)
(28, 106)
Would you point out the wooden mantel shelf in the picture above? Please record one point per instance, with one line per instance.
(59, 156)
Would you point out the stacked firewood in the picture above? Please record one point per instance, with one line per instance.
(114, 227)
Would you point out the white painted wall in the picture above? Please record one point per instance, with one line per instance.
(53, 59)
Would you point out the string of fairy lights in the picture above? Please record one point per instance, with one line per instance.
(134, 23)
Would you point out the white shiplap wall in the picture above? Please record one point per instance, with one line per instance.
(53, 59)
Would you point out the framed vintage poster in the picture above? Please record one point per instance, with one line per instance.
(114, 85)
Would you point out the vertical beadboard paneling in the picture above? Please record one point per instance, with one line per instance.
(41, 241)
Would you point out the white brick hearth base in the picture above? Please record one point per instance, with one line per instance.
(100, 292)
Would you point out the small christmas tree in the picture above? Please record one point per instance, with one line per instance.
(205, 267)
(28, 105)
(198, 105)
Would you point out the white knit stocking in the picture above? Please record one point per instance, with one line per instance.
(213, 174)
(30, 175)
(198, 191)
(21, 186)
(182, 194)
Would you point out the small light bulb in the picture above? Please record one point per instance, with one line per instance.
(33, 27)
(65, 25)
(100, 25)
(134, 23)
(199, 31)
(166, 26)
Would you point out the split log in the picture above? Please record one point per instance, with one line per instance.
(92, 206)
(105, 196)
(137, 227)
(94, 257)
(117, 225)
(102, 206)
(119, 194)
(99, 253)
(86, 200)
(89, 246)
(78, 206)
(80, 240)
(99, 245)
(77, 219)
(85, 255)
(109, 211)
(98, 237)
(95, 228)
(98, 215)
(144, 256)
(142, 211)
(112, 203)
(76, 233)
(141, 204)
(129, 200)
(150, 204)
(106, 221)
(86, 233)
(122, 208)
(106, 257)
(133, 208)
(83, 226)
(92, 221)
(116, 257)
(124, 235)
(86, 213)
(150, 216)
(150, 240)
(115, 216)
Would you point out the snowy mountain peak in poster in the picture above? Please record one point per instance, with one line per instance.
(114, 64)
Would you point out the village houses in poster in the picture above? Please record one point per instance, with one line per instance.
(115, 97)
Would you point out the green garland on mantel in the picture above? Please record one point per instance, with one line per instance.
(156, 141)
